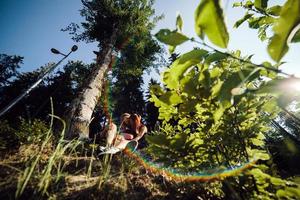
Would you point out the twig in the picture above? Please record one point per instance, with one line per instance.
(240, 59)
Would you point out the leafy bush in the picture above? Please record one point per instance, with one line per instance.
(34, 132)
(24, 133)
(216, 110)
(7, 136)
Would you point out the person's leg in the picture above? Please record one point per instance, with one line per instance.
(122, 143)
(111, 134)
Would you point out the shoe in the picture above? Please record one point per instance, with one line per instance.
(111, 150)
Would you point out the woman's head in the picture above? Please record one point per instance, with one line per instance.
(131, 121)
(135, 122)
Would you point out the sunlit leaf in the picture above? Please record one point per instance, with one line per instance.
(209, 19)
(242, 20)
(248, 4)
(289, 18)
(214, 57)
(218, 113)
(257, 142)
(171, 49)
(254, 22)
(233, 81)
(179, 22)
(296, 37)
(171, 98)
(172, 38)
(176, 72)
(274, 10)
(260, 4)
(237, 4)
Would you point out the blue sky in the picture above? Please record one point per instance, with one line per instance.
(30, 28)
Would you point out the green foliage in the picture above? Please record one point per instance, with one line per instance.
(216, 110)
(8, 139)
(260, 4)
(200, 110)
(138, 56)
(209, 20)
(24, 133)
(32, 132)
(105, 17)
(179, 22)
(173, 76)
(289, 18)
(172, 38)
(282, 19)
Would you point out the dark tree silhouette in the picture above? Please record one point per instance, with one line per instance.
(9, 68)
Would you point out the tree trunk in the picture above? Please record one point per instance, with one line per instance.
(83, 106)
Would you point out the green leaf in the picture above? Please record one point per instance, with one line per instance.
(296, 37)
(257, 142)
(159, 140)
(209, 19)
(242, 20)
(277, 181)
(237, 4)
(260, 4)
(217, 56)
(289, 18)
(178, 141)
(274, 10)
(254, 22)
(218, 113)
(171, 49)
(172, 38)
(235, 80)
(171, 98)
(216, 89)
(176, 72)
(189, 83)
(179, 22)
(215, 72)
(248, 4)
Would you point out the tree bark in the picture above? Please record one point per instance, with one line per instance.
(83, 106)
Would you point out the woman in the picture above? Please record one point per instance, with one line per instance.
(131, 130)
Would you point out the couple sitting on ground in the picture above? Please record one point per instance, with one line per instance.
(131, 130)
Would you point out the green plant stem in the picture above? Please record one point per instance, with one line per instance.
(240, 59)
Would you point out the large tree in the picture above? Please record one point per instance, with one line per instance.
(111, 24)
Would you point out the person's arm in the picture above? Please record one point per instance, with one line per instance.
(142, 131)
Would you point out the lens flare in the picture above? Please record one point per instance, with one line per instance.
(203, 176)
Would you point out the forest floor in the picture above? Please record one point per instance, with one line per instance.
(30, 172)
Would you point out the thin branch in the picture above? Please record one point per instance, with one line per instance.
(240, 59)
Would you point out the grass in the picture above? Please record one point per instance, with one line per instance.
(60, 169)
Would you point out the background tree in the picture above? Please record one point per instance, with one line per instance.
(8, 68)
(139, 55)
(151, 110)
(61, 86)
(111, 24)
